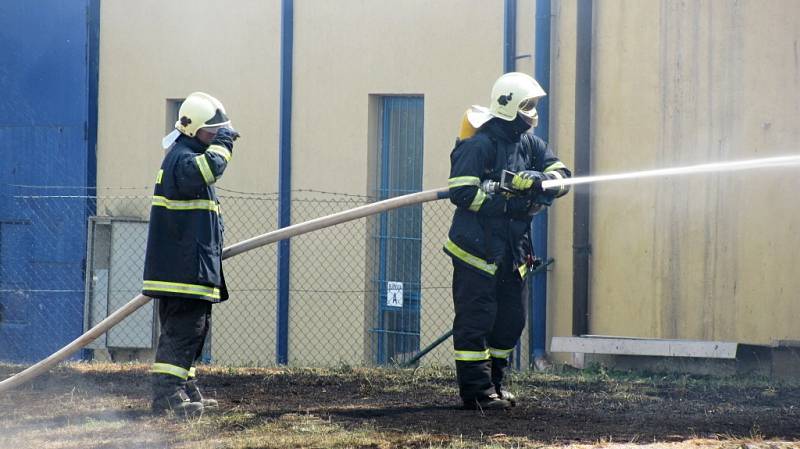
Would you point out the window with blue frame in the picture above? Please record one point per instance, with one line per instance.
(398, 242)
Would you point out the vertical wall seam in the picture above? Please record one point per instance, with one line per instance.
(93, 70)
(510, 65)
(581, 238)
(539, 226)
(285, 180)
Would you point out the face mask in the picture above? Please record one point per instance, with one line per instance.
(514, 128)
(521, 124)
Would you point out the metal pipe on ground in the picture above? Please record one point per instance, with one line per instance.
(271, 237)
(410, 362)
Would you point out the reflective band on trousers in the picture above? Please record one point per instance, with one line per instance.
(205, 170)
(222, 151)
(185, 204)
(471, 356)
(166, 368)
(468, 258)
(500, 353)
(176, 287)
(480, 196)
(460, 181)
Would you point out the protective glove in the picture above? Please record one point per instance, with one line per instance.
(526, 179)
(555, 191)
(225, 138)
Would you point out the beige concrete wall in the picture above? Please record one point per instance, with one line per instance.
(449, 52)
(679, 83)
(562, 137)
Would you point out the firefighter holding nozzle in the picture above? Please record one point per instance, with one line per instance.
(183, 263)
(496, 171)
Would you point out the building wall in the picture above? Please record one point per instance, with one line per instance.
(699, 257)
(345, 53)
(702, 257)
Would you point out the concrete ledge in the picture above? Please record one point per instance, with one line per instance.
(600, 344)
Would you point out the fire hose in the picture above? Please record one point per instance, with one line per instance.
(371, 209)
(271, 237)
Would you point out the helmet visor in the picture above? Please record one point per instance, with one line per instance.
(219, 119)
(527, 105)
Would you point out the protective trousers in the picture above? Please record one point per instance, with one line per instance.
(184, 325)
(489, 317)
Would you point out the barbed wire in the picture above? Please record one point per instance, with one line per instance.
(34, 186)
(270, 195)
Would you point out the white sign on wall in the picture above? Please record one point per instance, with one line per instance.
(394, 294)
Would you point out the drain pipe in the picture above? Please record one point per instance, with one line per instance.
(510, 65)
(285, 181)
(581, 239)
(537, 312)
(510, 36)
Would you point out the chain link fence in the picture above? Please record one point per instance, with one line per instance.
(372, 291)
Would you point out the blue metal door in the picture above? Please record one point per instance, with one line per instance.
(47, 128)
(400, 231)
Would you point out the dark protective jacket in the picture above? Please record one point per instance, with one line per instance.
(488, 229)
(184, 242)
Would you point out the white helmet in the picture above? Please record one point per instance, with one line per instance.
(514, 93)
(200, 110)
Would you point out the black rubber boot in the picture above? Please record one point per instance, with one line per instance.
(179, 404)
(491, 402)
(508, 396)
(195, 396)
(169, 395)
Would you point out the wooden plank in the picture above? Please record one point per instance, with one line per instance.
(644, 346)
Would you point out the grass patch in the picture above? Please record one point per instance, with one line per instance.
(103, 405)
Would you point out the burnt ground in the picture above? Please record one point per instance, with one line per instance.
(564, 407)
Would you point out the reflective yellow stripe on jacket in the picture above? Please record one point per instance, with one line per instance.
(468, 258)
(187, 289)
(185, 204)
(553, 170)
(205, 169)
(480, 197)
(222, 151)
(460, 181)
(554, 166)
(166, 368)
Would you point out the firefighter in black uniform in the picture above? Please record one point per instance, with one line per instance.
(489, 238)
(183, 264)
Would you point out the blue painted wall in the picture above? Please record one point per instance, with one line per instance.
(48, 80)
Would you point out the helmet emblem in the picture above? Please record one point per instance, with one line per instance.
(185, 121)
(504, 99)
